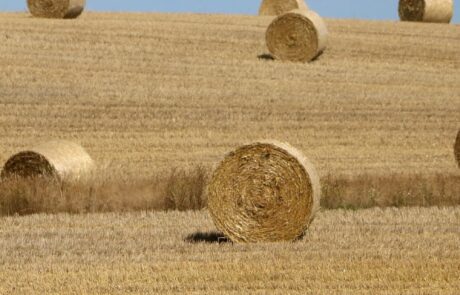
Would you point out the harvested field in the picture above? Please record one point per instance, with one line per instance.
(146, 92)
(374, 251)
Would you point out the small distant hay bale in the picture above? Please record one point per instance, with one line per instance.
(278, 7)
(264, 192)
(56, 8)
(457, 148)
(433, 11)
(63, 160)
(297, 36)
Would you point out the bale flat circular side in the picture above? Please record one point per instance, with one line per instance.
(264, 192)
(457, 148)
(297, 36)
(278, 7)
(28, 164)
(56, 8)
(435, 11)
(64, 160)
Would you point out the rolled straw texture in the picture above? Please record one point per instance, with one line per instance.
(264, 192)
(64, 160)
(297, 36)
(278, 7)
(457, 148)
(56, 8)
(433, 11)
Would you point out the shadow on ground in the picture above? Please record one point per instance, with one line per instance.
(268, 56)
(265, 56)
(207, 237)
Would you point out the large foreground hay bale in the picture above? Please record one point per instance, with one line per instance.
(278, 7)
(457, 148)
(56, 8)
(264, 192)
(297, 36)
(63, 160)
(434, 11)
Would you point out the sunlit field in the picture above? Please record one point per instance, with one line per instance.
(158, 99)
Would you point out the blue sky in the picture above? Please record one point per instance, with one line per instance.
(365, 9)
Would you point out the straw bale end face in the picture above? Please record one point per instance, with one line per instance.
(411, 10)
(56, 8)
(297, 36)
(278, 7)
(63, 160)
(27, 164)
(264, 192)
(434, 11)
(457, 149)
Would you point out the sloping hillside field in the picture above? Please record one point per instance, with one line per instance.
(154, 91)
(147, 93)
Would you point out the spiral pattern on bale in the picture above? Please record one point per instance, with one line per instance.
(264, 192)
(297, 36)
(63, 160)
(457, 149)
(278, 7)
(433, 11)
(56, 8)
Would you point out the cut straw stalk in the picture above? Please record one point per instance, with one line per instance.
(278, 7)
(457, 148)
(56, 8)
(63, 160)
(434, 11)
(264, 192)
(297, 36)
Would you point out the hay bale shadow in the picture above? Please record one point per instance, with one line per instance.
(317, 57)
(207, 237)
(266, 56)
(269, 57)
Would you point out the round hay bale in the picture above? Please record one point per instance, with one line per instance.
(278, 7)
(63, 160)
(297, 36)
(457, 148)
(56, 8)
(264, 192)
(433, 11)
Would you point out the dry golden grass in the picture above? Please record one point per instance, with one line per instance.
(153, 91)
(181, 189)
(373, 251)
(391, 190)
(176, 190)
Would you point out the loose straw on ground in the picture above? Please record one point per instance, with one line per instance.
(63, 160)
(457, 149)
(434, 11)
(278, 7)
(297, 36)
(264, 192)
(56, 8)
